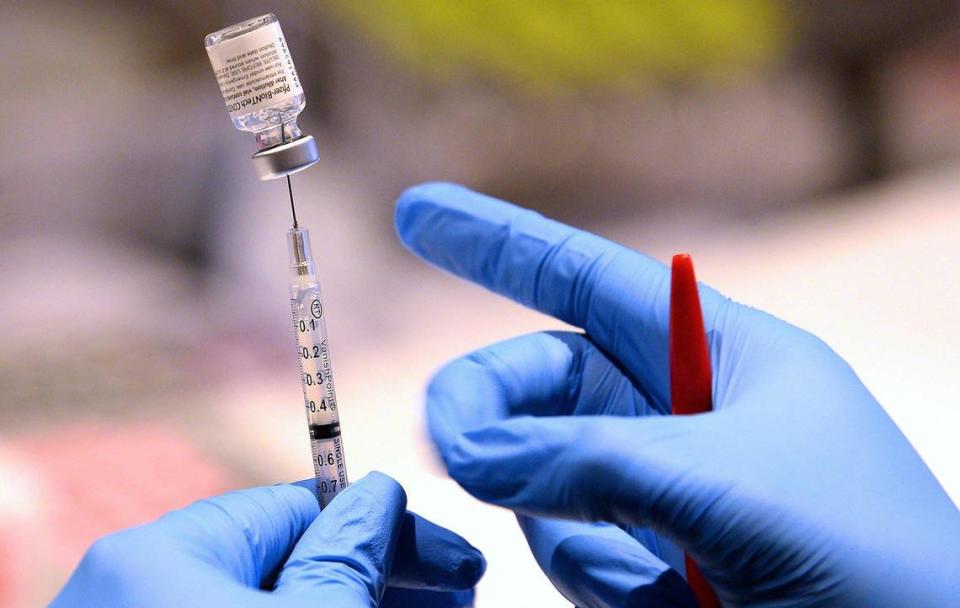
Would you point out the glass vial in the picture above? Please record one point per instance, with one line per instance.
(262, 93)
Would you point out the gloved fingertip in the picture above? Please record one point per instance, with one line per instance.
(421, 598)
(471, 569)
(462, 459)
(468, 569)
(474, 457)
(384, 486)
(414, 200)
(430, 191)
(307, 484)
(295, 499)
(606, 571)
(432, 557)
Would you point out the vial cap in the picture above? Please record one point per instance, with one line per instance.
(286, 158)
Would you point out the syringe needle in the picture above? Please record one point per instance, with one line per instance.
(292, 208)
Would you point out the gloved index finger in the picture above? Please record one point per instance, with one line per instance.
(620, 297)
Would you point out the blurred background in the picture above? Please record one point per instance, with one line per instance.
(806, 153)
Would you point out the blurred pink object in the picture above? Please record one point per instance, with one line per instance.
(87, 481)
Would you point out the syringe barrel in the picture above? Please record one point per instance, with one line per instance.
(316, 368)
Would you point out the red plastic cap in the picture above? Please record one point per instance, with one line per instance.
(691, 380)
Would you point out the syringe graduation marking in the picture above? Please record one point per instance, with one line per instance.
(316, 371)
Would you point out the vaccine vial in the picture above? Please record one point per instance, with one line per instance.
(262, 93)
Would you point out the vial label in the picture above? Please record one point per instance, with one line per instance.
(255, 70)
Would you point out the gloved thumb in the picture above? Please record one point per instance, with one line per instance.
(344, 557)
(651, 471)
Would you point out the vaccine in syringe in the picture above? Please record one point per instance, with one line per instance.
(263, 95)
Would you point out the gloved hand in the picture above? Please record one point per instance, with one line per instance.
(798, 490)
(224, 551)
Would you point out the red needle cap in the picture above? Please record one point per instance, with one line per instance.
(690, 375)
(691, 379)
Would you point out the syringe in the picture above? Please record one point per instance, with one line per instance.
(316, 370)
(263, 94)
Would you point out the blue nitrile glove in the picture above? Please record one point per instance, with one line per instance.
(269, 547)
(798, 491)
